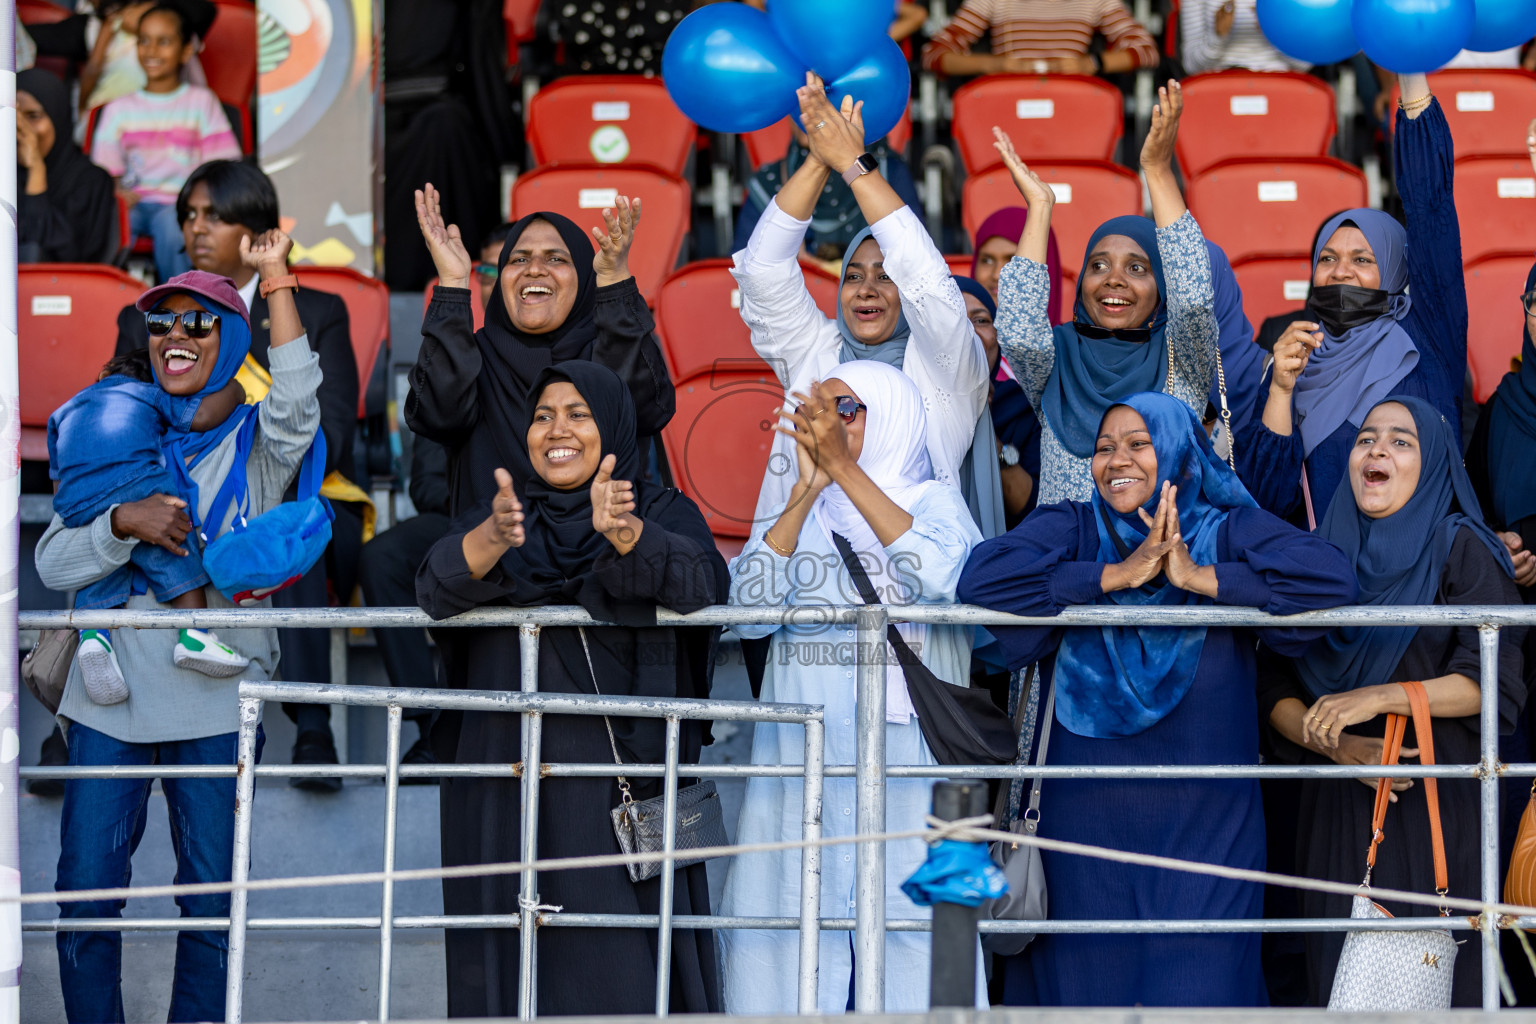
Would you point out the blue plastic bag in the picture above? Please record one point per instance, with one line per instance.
(955, 872)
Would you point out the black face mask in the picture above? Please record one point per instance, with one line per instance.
(1342, 307)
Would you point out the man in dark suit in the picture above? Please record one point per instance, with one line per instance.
(222, 202)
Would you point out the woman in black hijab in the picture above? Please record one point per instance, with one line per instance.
(578, 528)
(65, 209)
(470, 389)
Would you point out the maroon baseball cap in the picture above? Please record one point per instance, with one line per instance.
(215, 288)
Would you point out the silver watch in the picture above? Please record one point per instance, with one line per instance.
(1008, 456)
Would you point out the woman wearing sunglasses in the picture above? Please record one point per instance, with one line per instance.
(865, 479)
(897, 305)
(1144, 319)
(1387, 316)
(198, 338)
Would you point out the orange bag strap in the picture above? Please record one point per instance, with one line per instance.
(1418, 704)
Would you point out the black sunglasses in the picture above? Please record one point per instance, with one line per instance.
(199, 323)
(1528, 300)
(847, 407)
(1097, 333)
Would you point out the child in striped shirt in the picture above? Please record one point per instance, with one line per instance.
(152, 140)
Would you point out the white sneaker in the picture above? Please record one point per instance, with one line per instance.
(201, 651)
(99, 671)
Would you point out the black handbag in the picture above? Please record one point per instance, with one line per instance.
(960, 724)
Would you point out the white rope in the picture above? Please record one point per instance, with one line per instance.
(964, 830)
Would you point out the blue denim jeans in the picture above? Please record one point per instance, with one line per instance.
(102, 825)
(158, 221)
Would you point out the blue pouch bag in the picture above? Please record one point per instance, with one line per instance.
(261, 556)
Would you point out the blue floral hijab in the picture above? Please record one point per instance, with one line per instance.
(1117, 681)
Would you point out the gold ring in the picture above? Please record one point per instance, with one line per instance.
(1324, 728)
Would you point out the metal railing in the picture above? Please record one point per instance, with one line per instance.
(870, 772)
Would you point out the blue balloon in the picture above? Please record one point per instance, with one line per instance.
(1502, 24)
(831, 36)
(883, 81)
(1317, 31)
(727, 71)
(1412, 36)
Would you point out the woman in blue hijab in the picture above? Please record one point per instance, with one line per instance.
(1406, 516)
(1144, 318)
(1387, 316)
(1168, 524)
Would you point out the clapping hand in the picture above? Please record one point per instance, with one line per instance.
(1157, 150)
(612, 500)
(1038, 196)
(1146, 562)
(611, 264)
(444, 242)
(836, 134)
(504, 526)
(817, 429)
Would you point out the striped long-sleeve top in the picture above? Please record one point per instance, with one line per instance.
(1042, 29)
(156, 140)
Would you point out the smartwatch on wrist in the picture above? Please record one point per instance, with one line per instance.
(862, 166)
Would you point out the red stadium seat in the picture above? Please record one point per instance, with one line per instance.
(40, 12)
(1060, 117)
(1252, 114)
(1488, 110)
(1272, 285)
(581, 193)
(229, 61)
(477, 311)
(1494, 317)
(609, 119)
(520, 18)
(1250, 207)
(1495, 202)
(698, 319)
(367, 302)
(1088, 192)
(718, 443)
(67, 328)
(823, 286)
(772, 143)
(959, 264)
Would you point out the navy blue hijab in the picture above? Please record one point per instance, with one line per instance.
(1093, 374)
(1398, 558)
(1512, 437)
(1117, 681)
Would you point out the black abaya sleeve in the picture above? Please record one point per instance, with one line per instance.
(1474, 577)
(670, 570)
(627, 345)
(1477, 463)
(73, 222)
(444, 586)
(444, 401)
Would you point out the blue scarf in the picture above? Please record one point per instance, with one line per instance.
(1352, 372)
(1399, 558)
(1512, 437)
(1117, 681)
(1093, 374)
(893, 350)
(184, 449)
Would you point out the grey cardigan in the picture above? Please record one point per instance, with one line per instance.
(164, 702)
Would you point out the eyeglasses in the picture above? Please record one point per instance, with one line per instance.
(199, 323)
(1528, 300)
(487, 272)
(847, 407)
(1097, 333)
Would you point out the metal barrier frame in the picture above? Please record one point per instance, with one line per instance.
(870, 773)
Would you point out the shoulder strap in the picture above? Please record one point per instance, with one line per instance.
(233, 491)
(1418, 703)
(855, 569)
(612, 743)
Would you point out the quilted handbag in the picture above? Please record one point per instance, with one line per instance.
(1520, 882)
(1026, 898)
(1398, 972)
(638, 824)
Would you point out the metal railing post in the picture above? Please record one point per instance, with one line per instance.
(869, 814)
(810, 867)
(391, 809)
(1488, 648)
(528, 895)
(240, 866)
(668, 871)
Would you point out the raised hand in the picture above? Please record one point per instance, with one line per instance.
(26, 145)
(612, 500)
(444, 242)
(1038, 196)
(267, 253)
(611, 264)
(1293, 349)
(836, 134)
(1144, 564)
(504, 526)
(1157, 150)
(818, 429)
(1178, 565)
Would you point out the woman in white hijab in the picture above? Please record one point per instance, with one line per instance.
(864, 475)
